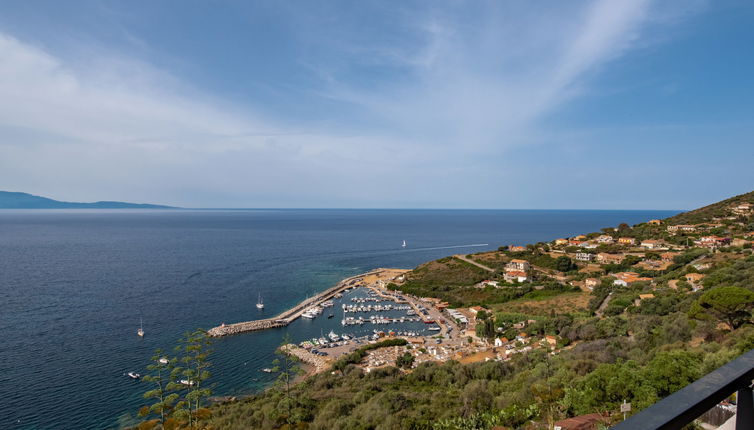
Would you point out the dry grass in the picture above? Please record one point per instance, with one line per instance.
(563, 303)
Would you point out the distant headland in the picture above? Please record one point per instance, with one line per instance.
(15, 200)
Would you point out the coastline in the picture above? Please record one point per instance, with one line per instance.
(290, 315)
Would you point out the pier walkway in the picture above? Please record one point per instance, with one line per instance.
(290, 315)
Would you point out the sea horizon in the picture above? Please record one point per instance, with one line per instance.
(86, 277)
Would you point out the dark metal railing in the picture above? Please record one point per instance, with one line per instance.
(690, 402)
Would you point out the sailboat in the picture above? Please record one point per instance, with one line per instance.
(140, 331)
(404, 243)
(260, 305)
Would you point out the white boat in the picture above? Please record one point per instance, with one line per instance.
(404, 244)
(163, 360)
(267, 370)
(334, 337)
(133, 375)
(434, 328)
(187, 382)
(260, 305)
(140, 331)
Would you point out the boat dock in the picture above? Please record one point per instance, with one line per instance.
(290, 315)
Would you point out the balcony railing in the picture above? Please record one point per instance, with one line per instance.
(690, 402)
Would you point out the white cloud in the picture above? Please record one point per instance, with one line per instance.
(118, 128)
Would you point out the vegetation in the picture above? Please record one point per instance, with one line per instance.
(637, 343)
(358, 355)
(179, 387)
(731, 305)
(707, 213)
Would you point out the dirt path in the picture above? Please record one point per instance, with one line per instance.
(603, 305)
(481, 266)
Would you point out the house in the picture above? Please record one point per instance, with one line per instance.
(605, 258)
(458, 316)
(627, 241)
(743, 209)
(591, 283)
(488, 283)
(580, 237)
(637, 302)
(681, 227)
(668, 256)
(702, 266)
(651, 244)
(693, 278)
(561, 241)
(522, 337)
(518, 265)
(582, 422)
(584, 256)
(575, 242)
(515, 248)
(476, 309)
(501, 341)
(712, 241)
(515, 276)
(654, 222)
(605, 239)
(625, 279)
(589, 245)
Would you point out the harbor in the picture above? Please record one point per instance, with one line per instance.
(307, 307)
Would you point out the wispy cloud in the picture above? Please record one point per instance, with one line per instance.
(456, 81)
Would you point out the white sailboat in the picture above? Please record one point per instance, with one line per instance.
(260, 305)
(140, 331)
(404, 243)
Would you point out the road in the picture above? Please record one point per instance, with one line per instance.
(470, 261)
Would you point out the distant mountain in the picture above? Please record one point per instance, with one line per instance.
(11, 200)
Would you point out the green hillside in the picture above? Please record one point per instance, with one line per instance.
(668, 308)
(708, 213)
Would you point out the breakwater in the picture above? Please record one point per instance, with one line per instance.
(288, 316)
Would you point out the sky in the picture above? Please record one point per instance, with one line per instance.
(603, 104)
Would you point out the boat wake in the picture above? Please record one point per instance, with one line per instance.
(450, 247)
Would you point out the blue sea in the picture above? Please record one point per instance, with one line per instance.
(74, 285)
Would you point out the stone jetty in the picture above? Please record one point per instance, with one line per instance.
(290, 315)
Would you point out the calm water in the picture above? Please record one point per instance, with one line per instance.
(73, 285)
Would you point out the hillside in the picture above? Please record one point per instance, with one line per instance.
(571, 327)
(709, 213)
(15, 200)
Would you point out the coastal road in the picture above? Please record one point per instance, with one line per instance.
(481, 266)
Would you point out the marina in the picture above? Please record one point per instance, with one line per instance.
(313, 307)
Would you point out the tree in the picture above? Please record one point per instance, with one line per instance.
(193, 351)
(405, 361)
(162, 373)
(287, 368)
(564, 264)
(731, 305)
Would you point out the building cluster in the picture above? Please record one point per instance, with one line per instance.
(517, 271)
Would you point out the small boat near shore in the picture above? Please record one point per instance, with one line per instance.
(133, 375)
(187, 382)
(267, 370)
(260, 304)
